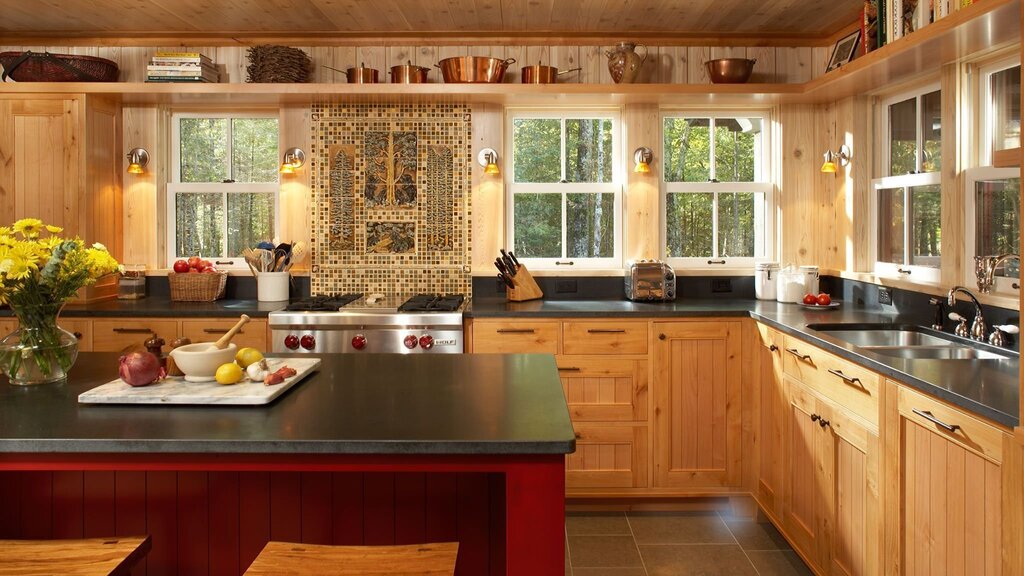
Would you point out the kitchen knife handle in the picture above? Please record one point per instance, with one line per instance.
(133, 331)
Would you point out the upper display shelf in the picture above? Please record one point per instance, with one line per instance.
(984, 26)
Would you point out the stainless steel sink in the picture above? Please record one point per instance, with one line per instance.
(865, 338)
(954, 352)
(910, 342)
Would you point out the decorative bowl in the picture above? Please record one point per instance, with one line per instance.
(199, 362)
(730, 70)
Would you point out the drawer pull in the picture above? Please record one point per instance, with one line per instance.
(849, 380)
(77, 334)
(797, 353)
(716, 261)
(569, 369)
(773, 348)
(928, 416)
(220, 331)
(516, 330)
(603, 331)
(821, 421)
(133, 331)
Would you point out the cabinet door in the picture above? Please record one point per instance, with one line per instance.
(772, 412)
(805, 484)
(607, 456)
(81, 328)
(253, 334)
(117, 334)
(697, 415)
(603, 388)
(951, 520)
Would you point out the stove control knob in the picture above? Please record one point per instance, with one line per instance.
(410, 341)
(291, 341)
(426, 342)
(308, 342)
(359, 341)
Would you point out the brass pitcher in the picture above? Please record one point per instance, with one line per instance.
(624, 63)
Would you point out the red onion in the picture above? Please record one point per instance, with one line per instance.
(140, 368)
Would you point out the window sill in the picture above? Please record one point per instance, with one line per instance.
(231, 272)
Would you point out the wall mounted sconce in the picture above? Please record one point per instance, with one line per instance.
(294, 158)
(137, 160)
(488, 158)
(643, 156)
(842, 157)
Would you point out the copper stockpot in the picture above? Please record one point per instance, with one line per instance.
(360, 75)
(540, 74)
(730, 70)
(409, 74)
(474, 69)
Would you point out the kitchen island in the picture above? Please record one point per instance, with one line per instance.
(370, 449)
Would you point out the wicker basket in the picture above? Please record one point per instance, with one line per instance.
(46, 67)
(197, 287)
(278, 64)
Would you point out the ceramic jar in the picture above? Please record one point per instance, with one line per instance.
(624, 63)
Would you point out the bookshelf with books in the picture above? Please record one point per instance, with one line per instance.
(885, 21)
(181, 67)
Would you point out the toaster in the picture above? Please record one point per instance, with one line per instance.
(650, 280)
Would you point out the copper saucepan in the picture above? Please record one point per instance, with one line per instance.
(409, 74)
(360, 75)
(474, 69)
(540, 74)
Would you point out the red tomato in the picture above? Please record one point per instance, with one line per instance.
(205, 264)
(824, 299)
(181, 266)
(810, 299)
(193, 262)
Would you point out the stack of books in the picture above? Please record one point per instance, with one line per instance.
(181, 67)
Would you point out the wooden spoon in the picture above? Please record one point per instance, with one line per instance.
(226, 338)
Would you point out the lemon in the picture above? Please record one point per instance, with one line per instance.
(229, 373)
(246, 356)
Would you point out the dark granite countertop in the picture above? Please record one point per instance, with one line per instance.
(353, 404)
(989, 388)
(162, 307)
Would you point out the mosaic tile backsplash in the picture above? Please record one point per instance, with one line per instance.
(391, 198)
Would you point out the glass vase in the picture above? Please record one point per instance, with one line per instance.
(38, 351)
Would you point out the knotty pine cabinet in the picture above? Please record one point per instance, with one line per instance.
(771, 421)
(62, 164)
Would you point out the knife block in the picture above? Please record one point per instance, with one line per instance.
(525, 287)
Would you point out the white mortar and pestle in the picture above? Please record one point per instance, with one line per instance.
(199, 362)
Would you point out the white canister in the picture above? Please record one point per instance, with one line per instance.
(765, 280)
(272, 286)
(790, 285)
(810, 275)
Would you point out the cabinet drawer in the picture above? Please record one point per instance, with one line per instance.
(604, 337)
(515, 336)
(607, 456)
(842, 382)
(117, 334)
(971, 433)
(770, 337)
(602, 389)
(82, 329)
(253, 334)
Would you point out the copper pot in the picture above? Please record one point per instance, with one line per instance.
(409, 74)
(730, 70)
(362, 75)
(540, 74)
(474, 69)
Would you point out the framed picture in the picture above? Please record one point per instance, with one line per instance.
(845, 48)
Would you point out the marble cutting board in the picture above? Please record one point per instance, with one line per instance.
(178, 391)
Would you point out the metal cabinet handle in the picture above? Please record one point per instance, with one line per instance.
(904, 271)
(797, 353)
(821, 421)
(77, 334)
(577, 435)
(600, 331)
(773, 348)
(569, 263)
(569, 369)
(516, 330)
(849, 380)
(220, 331)
(133, 331)
(928, 416)
(661, 336)
(716, 261)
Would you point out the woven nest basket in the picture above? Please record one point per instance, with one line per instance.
(45, 67)
(197, 287)
(278, 64)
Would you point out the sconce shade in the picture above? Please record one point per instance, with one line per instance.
(831, 159)
(642, 156)
(137, 160)
(294, 158)
(488, 158)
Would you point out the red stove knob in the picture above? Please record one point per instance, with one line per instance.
(410, 341)
(359, 341)
(308, 342)
(291, 341)
(426, 342)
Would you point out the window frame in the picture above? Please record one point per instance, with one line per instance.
(764, 242)
(1002, 285)
(176, 186)
(987, 106)
(615, 187)
(884, 129)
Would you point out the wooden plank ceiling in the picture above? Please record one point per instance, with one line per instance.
(403, 18)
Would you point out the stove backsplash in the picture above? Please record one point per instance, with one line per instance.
(391, 198)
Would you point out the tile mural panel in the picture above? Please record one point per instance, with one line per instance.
(406, 230)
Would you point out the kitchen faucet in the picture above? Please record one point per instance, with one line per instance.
(985, 269)
(978, 326)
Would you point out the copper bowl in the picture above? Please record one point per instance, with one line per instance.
(540, 74)
(474, 69)
(730, 70)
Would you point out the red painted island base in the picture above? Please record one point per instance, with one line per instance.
(212, 514)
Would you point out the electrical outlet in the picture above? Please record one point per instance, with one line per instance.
(721, 285)
(885, 295)
(566, 287)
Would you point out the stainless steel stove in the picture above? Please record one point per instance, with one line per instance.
(354, 323)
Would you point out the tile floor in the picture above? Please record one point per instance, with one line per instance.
(675, 544)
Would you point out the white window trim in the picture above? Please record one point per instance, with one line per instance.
(916, 93)
(764, 245)
(988, 104)
(917, 274)
(1002, 284)
(563, 188)
(176, 186)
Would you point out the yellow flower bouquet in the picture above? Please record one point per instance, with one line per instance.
(39, 272)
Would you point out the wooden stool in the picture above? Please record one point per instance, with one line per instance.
(311, 559)
(89, 557)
